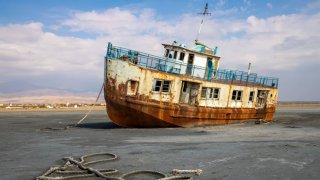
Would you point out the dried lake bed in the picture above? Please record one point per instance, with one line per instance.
(288, 148)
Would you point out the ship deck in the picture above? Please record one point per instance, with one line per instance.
(172, 66)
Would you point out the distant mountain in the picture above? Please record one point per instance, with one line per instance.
(21, 92)
(49, 96)
(47, 92)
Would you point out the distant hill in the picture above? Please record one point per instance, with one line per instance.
(23, 92)
(44, 96)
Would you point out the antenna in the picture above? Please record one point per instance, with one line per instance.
(205, 13)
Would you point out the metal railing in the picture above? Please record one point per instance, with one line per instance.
(178, 67)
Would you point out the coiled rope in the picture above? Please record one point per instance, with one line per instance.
(181, 171)
(84, 169)
(74, 169)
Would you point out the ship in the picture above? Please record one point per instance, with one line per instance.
(183, 88)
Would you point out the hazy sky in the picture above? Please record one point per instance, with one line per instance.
(61, 44)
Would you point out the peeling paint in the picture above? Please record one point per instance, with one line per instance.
(147, 108)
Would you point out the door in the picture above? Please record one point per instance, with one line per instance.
(209, 69)
(190, 65)
(185, 92)
(189, 92)
(194, 91)
(262, 98)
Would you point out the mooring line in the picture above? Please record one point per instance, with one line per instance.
(84, 117)
(76, 124)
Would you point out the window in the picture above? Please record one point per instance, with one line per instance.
(204, 92)
(211, 93)
(166, 54)
(216, 93)
(251, 96)
(181, 56)
(184, 86)
(175, 55)
(161, 86)
(157, 85)
(236, 95)
(170, 54)
(166, 86)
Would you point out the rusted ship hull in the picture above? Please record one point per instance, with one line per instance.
(138, 112)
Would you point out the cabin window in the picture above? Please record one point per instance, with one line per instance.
(175, 55)
(216, 93)
(184, 86)
(210, 93)
(182, 54)
(236, 95)
(157, 85)
(166, 54)
(166, 86)
(204, 92)
(170, 54)
(213, 93)
(251, 96)
(161, 86)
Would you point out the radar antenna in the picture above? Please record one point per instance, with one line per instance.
(204, 13)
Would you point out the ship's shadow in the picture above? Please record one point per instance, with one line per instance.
(99, 125)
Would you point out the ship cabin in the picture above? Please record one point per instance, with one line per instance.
(200, 60)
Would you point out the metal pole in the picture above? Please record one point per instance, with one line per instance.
(205, 12)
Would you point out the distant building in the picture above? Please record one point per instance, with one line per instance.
(14, 107)
(49, 106)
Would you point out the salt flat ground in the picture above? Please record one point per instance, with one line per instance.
(288, 148)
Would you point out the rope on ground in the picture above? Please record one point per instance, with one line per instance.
(198, 172)
(177, 178)
(74, 169)
(84, 117)
(83, 158)
(91, 170)
(84, 171)
(156, 173)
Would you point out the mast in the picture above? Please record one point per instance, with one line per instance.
(204, 13)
